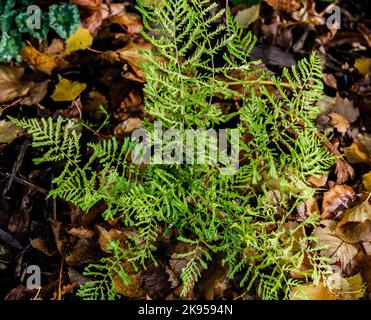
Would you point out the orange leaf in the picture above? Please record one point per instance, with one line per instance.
(38, 60)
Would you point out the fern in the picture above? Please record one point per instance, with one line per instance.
(244, 215)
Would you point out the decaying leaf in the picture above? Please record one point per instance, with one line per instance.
(9, 131)
(81, 232)
(318, 181)
(352, 288)
(345, 108)
(80, 40)
(366, 180)
(131, 55)
(156, 283)
(337, 200)
(133, 289)
(128, 126)
(344, 171)
(336, 288)
(40, 61)
(67, 90)
(339, 122)
(91, 13)
(363, 65)
(105, 237)
(288, 6)
(338, 249)
(354, 154)
(311, 292)
(131, 21)
(84, 252)
(355, 226)
(36, 94)
(247, 16)
(11, 84)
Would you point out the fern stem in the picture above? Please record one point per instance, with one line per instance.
(261, 82)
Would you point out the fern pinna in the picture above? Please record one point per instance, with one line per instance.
(245, 216)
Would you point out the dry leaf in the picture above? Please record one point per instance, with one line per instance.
(9, 131)
(355, 226)
(95, 101)
(37, 93)
(128, 126)
(105, 237)
(38, 60)
(344, 171)
(339, 122)
(80, 40)
(247, 16)
(131, 21)
(131, 290)
(363, 65)
(288, 6)
(338, 249)
(366, 180)
(346, 108)
(317, 181)
(11, 85)
(67, 90)
(81, 233)
(336, 201)
(311, 292)
(330, 80)
(131, 55)
(42, 245)
(354, 154)
(91, 13)
(84, 252)
(352, 288)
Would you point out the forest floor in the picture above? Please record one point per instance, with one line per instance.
(33, 228)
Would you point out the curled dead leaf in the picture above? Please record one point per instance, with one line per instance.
(337, 200)
(344, 171)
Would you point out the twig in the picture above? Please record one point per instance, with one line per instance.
(16, 166)
(27, 183)
(59, 296)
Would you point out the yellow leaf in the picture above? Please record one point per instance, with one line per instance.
(247, 16)
(80, 40)
(311, 292)
(38, 60)
(352, 288)
(67, 90)
(363, 65)
(354, 154)
(366, 180)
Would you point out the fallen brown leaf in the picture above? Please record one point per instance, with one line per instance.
(336, 201)
(11, 84)
(9, 131)
(338, 249)
(339, 122)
